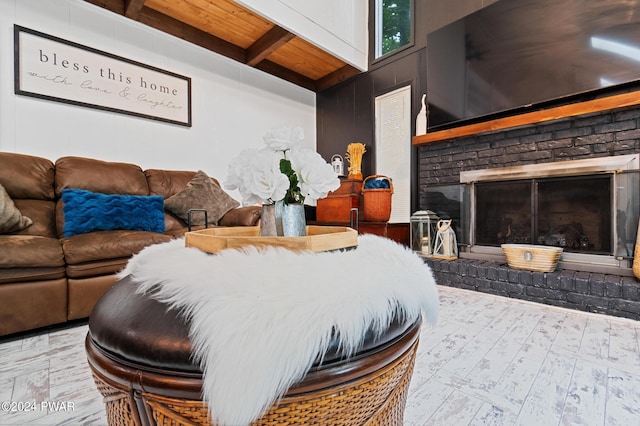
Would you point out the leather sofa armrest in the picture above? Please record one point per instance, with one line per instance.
(241, 216)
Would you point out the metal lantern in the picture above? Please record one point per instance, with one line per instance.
(338, 164)
(423, 231)
(446, 245)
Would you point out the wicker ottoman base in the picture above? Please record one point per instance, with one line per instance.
(376, 398)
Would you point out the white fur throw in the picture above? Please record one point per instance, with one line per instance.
(259, 318)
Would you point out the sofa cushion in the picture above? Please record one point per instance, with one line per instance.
(97, 268)
(36, 176)
(168, 182)
(104, 245)
(86, 211)
(100, 176)
(242, 216)
(29, 274)
(11, 220)
(27, 251)
(43, 214)
(201, 193)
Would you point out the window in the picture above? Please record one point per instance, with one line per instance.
(393, 25)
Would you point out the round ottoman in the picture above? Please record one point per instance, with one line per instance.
(140, 356)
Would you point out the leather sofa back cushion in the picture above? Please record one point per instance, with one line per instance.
(100, 176)
(11, 219)
(36, 176)
(169, 182)
(43, 215)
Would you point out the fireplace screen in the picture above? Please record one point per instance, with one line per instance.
(570, 212)
(589, 207)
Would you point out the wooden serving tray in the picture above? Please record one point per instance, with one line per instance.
(318, 238)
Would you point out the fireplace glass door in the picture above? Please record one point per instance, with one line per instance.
(570, 212)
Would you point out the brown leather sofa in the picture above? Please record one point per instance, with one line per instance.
(47, 278)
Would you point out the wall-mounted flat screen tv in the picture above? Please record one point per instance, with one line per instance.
(515, 56)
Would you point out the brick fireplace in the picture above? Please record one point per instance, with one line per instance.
(605, 286)
(588, 207)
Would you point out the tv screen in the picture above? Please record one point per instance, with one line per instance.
(518, 55)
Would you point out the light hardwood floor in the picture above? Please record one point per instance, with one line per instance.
(489, 361)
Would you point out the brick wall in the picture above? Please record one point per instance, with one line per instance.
(585, 291)
(595, 135)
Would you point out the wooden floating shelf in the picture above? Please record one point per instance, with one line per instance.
(564, 111)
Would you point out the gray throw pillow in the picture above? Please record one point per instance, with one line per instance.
(11, 220)
(201, 193)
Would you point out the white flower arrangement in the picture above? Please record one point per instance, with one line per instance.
(281, 171)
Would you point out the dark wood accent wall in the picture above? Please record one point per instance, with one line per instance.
(345, 112)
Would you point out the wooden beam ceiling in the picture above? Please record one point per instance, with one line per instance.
(267, 44)
(132, 8)
(229, 29)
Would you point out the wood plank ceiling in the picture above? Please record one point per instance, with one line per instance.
(227, 28)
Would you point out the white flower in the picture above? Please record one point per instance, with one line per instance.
(263, 178)
(236, 169)
(316, 177)
(256, 175)
(281, 171)
(283, 138)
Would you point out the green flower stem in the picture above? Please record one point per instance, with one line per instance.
(294, 194)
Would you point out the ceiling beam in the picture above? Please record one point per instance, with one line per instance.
(267, 44)
(132, 8)
(286, 74)
(116, 6)
(336, 77)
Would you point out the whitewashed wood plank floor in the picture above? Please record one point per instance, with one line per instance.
(489, 361)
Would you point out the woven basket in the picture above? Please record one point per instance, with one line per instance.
(377, 201)
(376, 399)
(532, 257)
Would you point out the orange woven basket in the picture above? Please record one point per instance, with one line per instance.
(377, 201)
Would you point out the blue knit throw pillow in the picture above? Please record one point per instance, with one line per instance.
(86, 211)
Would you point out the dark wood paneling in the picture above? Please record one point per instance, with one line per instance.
(335, 108)
(345, 113)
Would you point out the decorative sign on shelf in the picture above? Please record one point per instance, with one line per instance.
(51, 68)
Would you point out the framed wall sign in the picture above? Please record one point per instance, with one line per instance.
(51, 68)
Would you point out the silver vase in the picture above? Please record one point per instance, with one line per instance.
(268, 221)
(294, 223)
(280, 219)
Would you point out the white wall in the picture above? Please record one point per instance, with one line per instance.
(338, 26)
(233, 105)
